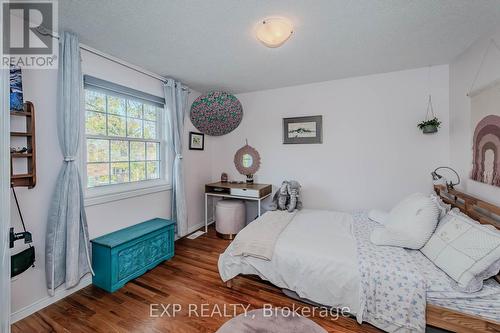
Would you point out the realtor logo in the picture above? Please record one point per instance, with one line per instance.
(28, 30)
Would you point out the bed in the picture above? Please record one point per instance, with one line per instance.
(326, 257)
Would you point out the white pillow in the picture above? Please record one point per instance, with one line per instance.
(410, 224)
(443, 207)
(465, 250)
(378, 216)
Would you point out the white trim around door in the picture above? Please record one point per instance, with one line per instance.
(4, 201)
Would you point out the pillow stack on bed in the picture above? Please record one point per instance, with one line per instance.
(410, 224)
(461, 247)
(465, 250)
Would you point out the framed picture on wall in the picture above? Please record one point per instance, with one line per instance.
(196, 141)
(303, 130)
(16, 89)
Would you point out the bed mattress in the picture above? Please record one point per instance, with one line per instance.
(320, 258)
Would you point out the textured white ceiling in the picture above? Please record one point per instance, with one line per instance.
(210, 44)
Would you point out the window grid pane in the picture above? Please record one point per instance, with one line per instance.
(128, 131)
(95, 123)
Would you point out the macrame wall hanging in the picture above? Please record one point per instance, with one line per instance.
(216, 113)
(485, 120)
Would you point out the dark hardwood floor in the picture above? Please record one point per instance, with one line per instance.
(191, 277)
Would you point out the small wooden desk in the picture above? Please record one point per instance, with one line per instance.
(252, 192)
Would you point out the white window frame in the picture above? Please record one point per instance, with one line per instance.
(114, 192)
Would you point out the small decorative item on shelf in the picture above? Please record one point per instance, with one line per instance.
(431, 123)
(18, 150)
(250, 179)
(223, 177)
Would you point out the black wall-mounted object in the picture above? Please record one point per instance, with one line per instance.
(22, 261)
(25, 259)
(19, 235)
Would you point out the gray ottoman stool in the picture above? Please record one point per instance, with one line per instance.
(230, 218)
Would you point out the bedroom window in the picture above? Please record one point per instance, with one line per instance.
(123, 138)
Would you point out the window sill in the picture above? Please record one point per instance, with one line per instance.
(99, 199)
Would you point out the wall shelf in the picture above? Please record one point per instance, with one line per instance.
(27, 179)
(20, 113)
(20, 155)
(20, 134)
(22, 176)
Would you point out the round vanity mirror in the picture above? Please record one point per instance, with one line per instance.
(247, 161)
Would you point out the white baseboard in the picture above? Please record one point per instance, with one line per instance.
(62, 293)
(46, 301)
(193, 228)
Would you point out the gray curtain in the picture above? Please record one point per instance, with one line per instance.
(67, 241)
(4, 202)
(176, 96)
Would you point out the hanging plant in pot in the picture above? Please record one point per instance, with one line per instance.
(431, 123)
(430, 126)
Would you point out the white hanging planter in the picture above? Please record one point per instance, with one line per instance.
(431, 123)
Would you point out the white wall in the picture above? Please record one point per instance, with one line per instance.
(462, 72)
(40, 88)
(372, 152)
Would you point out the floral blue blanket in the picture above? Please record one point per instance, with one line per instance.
(393, 291)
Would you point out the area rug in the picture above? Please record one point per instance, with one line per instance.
(258, 321)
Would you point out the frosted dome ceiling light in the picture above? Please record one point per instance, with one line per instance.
(274, 32)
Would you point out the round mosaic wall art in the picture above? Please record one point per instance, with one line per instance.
(216, 113)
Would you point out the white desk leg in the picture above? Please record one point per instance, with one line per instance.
(206, 213)
(258, 203)
(213, 209)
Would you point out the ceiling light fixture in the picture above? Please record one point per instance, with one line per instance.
(274, 32)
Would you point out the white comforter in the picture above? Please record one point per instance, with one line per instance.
(259, 239)
(315, 256)
(327, 257)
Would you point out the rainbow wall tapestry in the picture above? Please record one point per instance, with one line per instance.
(485, 107)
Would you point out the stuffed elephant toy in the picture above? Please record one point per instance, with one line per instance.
(287, 197)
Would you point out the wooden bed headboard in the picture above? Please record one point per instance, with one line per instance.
(479, 210)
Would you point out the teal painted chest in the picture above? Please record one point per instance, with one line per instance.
(123, 255)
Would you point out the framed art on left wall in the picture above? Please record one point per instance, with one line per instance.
(16, 89)
(196, 141)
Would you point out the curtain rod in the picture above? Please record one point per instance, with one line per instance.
(111, 58)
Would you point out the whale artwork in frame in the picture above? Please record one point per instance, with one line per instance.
(303, 130)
